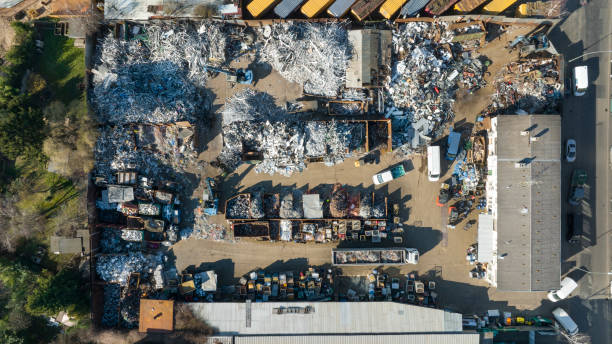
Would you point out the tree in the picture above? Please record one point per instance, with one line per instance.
(21, 127)
(57, 293)
(19, 57)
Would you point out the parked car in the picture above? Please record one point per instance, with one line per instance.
(567, 286)
(579, 179)
(580, 80)
(389, 175)
(565, 321)
(570, 150)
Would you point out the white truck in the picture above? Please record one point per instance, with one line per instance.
(374, 256)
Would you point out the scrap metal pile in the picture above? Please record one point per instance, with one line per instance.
(527, 87)
(423, 85)
(311, 54)
(253, 122)
(357, 256)
(156, 79)
(117, 268)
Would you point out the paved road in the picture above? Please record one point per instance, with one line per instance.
(587, 120)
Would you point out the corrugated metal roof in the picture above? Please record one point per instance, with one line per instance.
(529, 202)
(328, 317)
(454, 338)
(486, 238)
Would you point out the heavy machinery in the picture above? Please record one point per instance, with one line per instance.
(210, 198)
(240, 75)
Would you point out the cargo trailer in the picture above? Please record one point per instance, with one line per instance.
(374, 256)
(257, 8)
(286, 7)
(437, 7)
(313, 8)
(497, 6)
(412, 7)
(467, 6)
(340, 7)
(363, 8)
(390, 7)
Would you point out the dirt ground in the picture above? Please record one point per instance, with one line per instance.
(442, 250)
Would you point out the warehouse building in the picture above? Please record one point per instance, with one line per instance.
(524, 199)
(332, 322)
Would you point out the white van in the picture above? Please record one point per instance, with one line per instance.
(565, 321)
(567, 286)
(433, 163)
(580, 80)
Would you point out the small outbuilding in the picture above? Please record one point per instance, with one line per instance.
(156, 316)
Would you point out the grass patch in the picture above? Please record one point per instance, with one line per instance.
(63, 67)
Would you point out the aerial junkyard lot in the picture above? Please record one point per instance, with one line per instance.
(277, 113)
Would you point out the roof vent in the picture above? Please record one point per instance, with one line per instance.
(524, 133)
(533, 138)
(520, 165)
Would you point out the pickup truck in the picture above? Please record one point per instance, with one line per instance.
(388, 175)
(579, 179)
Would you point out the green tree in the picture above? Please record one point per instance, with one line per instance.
(19, 57)
(21, 126)
(59, 292)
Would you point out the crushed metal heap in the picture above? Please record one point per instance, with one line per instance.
(311, 54)
(117, 268)
(253, 122)
(423, 85)
(527, 87)
(155, 80)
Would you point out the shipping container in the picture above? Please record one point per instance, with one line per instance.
(363, 8)
(390, 7)
(312, 8)
(437, 7)
(413, 7)
(258, 8)
(497, 6)
(339, 8)
(286, 7)
(467, 6)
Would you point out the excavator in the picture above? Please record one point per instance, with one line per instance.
(240, 75)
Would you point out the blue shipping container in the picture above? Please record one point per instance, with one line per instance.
(340, 7)
(413, 7)
(286, 7)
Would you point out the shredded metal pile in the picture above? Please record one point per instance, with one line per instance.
(117, 268)
(311, 54)
(365, 205)
(291, 205)
(425, 77)
(238, 208)
(111, 242)
(257, 208)
(527, 87)
(157, 79)
(112, 296)
(253, 122)
(391, 256)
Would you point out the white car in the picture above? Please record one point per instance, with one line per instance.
(382, 177)
(570, 150)
(567, 286)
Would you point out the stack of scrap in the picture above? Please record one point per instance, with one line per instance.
(421, 91)
(117, 268)
(527, 87)
(238, 207)
(291, 206)
(203, 230)
(112, 296)
(389, 256)
(338, 206)
(365, 210)
(314, 55)
(379, 208)
(257, 208)
(286, 230)
(112, 242)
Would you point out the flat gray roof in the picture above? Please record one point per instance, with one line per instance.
(529, 202)
(437, 338)
(327, 318)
